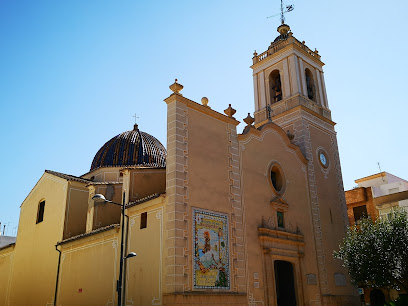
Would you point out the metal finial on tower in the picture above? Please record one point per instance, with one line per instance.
(282, 16)
(284, 10)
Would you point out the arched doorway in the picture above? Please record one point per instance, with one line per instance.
(377, 298)
(285, 283)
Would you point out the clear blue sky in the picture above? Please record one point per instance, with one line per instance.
(73, 73)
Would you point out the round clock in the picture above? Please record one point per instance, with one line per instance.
(323, 159)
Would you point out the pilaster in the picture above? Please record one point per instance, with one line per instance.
(262, 94)
(319, 85)
(294, 75)
(237, 214)
(176, 225)
(91, 208)
(286, 79)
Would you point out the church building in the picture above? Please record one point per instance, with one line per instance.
(218, 217)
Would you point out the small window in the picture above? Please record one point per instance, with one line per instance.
(143, 220)
(40, 213)
(281, 221)
(360, 212)
(276, 178)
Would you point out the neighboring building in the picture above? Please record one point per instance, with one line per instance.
(219, 218)
(6, 240)
(376, 196)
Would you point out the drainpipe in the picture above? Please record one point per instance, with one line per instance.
(58, 269)
(126, 251)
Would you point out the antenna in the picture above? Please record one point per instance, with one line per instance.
(379, 167)
(284, 10)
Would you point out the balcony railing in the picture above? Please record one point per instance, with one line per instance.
(275, 47)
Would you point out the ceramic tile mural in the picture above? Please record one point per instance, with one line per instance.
(211, 256)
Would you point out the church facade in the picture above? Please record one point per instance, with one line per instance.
(219, 217)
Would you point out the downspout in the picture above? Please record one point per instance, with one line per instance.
(126, 251)
(58, 269)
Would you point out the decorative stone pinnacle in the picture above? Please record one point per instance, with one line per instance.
(176, 87)
(249, 120)
(230, 111)
(255, 54)
(204, 101)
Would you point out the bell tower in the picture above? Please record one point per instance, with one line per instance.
(291, 73)
(289, 89)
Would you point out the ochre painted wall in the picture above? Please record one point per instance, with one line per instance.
(145, 182)
(145, 271)
(76, 210)
(89, 268)
(6, 265)
(90, 265)
(35, 258)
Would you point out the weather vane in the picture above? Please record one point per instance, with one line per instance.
(287, 9)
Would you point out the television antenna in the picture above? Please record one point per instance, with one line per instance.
(284, 10)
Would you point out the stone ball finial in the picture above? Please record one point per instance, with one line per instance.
(204, 101)
(249, 120)
(230, 111)
(176, 87)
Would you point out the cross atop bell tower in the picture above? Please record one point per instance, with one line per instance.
(288, 74)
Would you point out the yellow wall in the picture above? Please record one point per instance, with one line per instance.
(35, 257)
(6, 264)
(76, 210)
(90, 265)
(144, 272)
(106, 213)
(145, 182)
(88, 270)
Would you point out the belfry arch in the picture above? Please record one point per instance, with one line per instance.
(310, 85)
(275, 86)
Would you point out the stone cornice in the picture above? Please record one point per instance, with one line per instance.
(289, 49)
(303, 108)
(201, 108)
(280, 237)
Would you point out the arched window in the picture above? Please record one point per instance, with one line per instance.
(275, 86)
(311, 89)
(40, 213)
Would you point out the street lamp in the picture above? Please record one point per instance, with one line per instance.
(100, 198)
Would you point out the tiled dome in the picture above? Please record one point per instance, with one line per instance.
(131, 148)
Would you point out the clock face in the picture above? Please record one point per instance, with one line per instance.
(323, 159)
